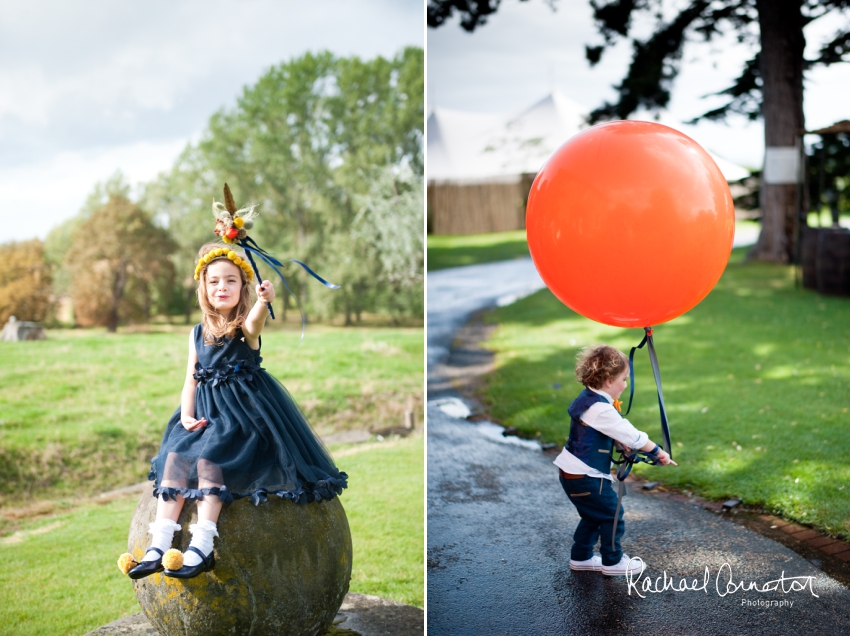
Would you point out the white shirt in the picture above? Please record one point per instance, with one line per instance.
(607, 420)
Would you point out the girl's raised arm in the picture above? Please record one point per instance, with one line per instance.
(256, 319)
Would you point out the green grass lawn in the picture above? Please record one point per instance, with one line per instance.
(455, 251)
(756, 379)
(458, 250)
(58, 575)
(84, 411)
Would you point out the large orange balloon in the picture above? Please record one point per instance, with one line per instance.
(630, 223)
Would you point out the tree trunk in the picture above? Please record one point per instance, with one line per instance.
(189, 305)
(782, 44)
(117, 293)
(359, 289)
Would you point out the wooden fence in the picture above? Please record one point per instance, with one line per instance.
(477, 208)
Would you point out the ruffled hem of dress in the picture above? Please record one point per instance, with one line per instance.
(323, 490)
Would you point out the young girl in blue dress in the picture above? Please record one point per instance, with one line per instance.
(237, 433)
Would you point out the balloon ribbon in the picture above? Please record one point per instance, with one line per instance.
(653, 359)
(624, 467)
(628, 459)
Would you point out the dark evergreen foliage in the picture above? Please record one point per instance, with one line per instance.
(656, 60)
(472, 13)
(828, 169)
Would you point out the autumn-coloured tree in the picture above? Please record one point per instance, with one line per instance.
(117, 261)
(24, 281)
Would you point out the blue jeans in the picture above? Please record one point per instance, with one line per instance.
(596, 502)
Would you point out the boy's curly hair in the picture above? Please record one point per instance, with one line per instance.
(595, 365)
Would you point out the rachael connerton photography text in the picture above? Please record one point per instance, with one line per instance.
(724, 583)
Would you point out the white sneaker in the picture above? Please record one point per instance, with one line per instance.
(626, 565)
(593, 563)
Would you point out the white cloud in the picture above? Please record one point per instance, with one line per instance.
(47, 193)
(25, 95)
(91, 86)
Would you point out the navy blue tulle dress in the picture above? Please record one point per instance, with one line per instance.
(257, 441)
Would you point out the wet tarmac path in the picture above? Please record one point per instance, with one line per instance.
(499, 536)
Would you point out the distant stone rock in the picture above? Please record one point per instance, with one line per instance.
(280, 569)
(347, 437)
(21, 330)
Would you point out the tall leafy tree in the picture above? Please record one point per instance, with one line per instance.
(389, 220)
(302, 142)
(769, 86)
(181, 199)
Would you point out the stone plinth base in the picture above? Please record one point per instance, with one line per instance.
(360, 615)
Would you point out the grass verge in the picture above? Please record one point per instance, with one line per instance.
(756, 380)
(456, 251)
(446, 251)
(58, 574)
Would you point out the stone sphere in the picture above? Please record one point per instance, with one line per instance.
(280, 569)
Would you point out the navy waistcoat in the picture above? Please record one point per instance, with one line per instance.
(585, 442)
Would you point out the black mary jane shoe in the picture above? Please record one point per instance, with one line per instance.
(146, 568)
(191, 571)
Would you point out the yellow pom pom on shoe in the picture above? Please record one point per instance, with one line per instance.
(126, 562)
(172, 559)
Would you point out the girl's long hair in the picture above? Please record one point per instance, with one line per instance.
(216, 326)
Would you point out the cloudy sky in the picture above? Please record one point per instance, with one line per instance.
(92, 86)
(526, 50)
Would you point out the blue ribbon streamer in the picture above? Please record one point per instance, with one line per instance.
(313, 274)
(251, 248)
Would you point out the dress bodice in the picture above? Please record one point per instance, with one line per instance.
(218, 362)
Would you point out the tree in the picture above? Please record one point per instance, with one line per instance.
(181, 199)
(25, 282)
(829, 173)
(118, 261)
(59, 239)
(303, 142)
(390, 219)
(770, 85)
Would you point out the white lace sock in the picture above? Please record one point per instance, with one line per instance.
(162, 533)
(203, 534)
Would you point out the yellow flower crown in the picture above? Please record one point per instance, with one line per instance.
(223, 252)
